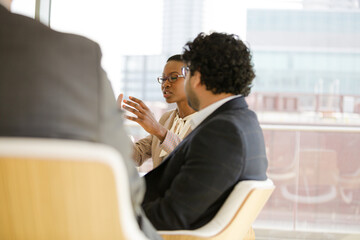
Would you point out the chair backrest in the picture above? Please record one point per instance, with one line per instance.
(318, 167)
(64, 189)
(235, 217)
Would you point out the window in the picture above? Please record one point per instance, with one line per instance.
(24, 7)
(306, 93)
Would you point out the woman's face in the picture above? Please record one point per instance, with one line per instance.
(173, 92)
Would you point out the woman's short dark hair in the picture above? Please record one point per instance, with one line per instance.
(224, 62)
(176, 57)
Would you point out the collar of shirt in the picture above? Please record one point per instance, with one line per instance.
(204, 113)
(182, 125)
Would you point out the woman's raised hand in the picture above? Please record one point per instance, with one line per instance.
(120, 99)
(143, 116)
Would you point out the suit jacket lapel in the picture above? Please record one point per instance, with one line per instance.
(232, 104)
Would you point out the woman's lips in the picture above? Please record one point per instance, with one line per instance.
(166, 94)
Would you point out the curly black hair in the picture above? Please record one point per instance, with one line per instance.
(224, 62)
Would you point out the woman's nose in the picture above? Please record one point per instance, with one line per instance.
(166, 83)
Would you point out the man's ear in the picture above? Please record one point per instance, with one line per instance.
(196, 79)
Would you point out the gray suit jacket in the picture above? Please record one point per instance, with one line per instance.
(52, 86)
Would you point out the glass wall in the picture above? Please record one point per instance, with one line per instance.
(24, 7)
(316, 171)
(120, 27)
(306, 92)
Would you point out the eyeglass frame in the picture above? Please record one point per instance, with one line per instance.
(185, 71)
(162, 79)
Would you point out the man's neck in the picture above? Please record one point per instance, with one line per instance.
(212, 98)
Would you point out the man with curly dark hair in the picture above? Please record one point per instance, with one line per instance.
(226, 145)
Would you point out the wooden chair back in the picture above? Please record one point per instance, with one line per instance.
(64, 189)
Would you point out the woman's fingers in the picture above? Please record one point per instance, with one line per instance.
(132, 110)
(143, 115)
(134, 105)
(138, 101)
(132, 118)
(120, 99)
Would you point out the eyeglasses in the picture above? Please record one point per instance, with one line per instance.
(185, 71)
(172, 78)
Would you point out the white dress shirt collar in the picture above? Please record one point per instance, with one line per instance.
(204, 113)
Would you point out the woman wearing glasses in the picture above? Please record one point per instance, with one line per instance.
(172, 127)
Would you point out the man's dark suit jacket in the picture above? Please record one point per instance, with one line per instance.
(192, 183)
(52, 86)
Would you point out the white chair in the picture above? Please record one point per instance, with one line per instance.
(234, 219)
(317, 178)
(64, 189)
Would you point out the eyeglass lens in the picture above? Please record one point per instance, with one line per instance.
(172, 78)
